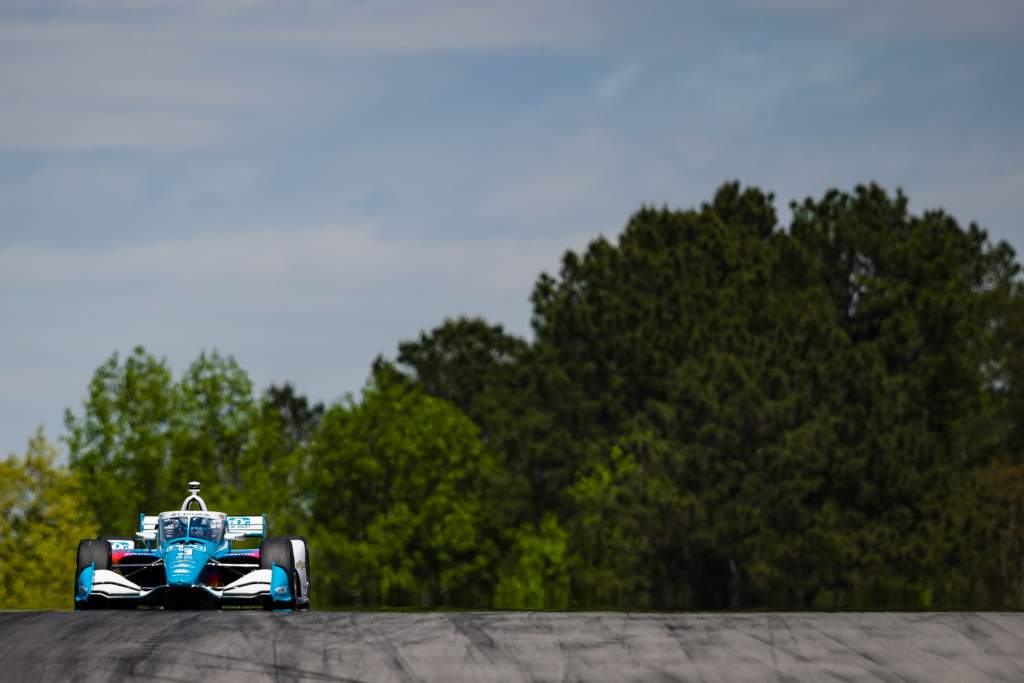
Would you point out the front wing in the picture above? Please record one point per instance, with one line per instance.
(104, 587)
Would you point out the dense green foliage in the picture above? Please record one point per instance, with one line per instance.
(43, 514)
(723, 412)
(714, 410)
(399, 486)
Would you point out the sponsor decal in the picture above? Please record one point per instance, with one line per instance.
(244, 523)
(188, 513)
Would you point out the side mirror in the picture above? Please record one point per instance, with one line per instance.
(233, 536)
(146, 535)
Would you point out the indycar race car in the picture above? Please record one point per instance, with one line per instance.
(185, 559)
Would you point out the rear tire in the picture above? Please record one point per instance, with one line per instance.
(278, 550)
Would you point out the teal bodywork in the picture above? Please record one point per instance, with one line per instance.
(184, 561)
(84, 587)
(280, 591)
(183, 555)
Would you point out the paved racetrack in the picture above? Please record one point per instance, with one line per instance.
(493, 646)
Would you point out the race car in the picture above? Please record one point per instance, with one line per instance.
(184, 559)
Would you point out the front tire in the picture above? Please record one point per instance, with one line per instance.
(95, 553)
(278, 550)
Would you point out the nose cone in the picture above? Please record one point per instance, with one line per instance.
(183, 563)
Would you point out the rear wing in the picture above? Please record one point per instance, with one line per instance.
(148, 523)
(247, 526)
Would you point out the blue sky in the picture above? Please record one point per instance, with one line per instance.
(304, 184)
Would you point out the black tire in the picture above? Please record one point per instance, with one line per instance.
(278, 550)
(106, 538)
(95, 552)
(91, 552)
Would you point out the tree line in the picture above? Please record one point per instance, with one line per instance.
(714, 410)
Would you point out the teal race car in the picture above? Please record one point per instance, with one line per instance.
(184, 559)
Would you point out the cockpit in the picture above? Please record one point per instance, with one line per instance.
(203, 527)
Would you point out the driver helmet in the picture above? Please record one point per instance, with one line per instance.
(202, 527)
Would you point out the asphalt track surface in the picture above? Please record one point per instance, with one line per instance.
(495, 646)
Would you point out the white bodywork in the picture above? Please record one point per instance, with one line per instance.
(112, 585)
(302, 569)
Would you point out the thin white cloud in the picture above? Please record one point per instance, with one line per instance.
(903, 20)
(312, 306)
(348, 258)
(389, 26)
(30, 128)
(170, 75)
(98, 86)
